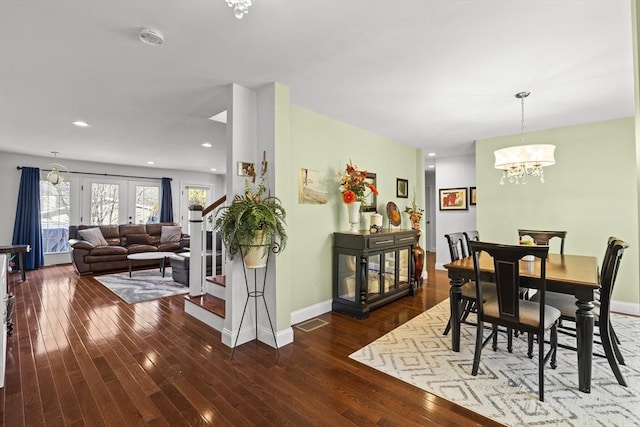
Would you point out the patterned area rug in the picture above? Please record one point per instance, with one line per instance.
(144, 285)
(506, 387)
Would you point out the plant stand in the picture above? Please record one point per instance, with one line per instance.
(255, 294)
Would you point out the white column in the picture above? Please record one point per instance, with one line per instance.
(196, 245)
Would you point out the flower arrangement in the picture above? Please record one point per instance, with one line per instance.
(415, 214)
(353, 184)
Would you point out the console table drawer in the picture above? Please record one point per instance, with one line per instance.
(405, 240)
(380, 242)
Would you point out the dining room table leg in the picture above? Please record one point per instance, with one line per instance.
(455, 294)
(584, 332)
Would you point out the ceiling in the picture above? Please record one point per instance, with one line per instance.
(426, 73)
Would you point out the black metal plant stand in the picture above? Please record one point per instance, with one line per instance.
(255, 294)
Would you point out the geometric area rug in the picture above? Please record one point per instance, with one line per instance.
(506, 387)
(143, 285)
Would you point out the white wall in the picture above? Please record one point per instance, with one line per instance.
(453, 172)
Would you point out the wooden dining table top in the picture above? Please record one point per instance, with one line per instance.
(566, 269)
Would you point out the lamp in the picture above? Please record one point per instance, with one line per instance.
(240, 7)
(58, 173)
(521, 160)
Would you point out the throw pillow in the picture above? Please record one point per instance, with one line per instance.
(170, 233)
(93, 236)
(137, 239)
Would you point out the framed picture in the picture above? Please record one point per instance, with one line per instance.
(371, 201)
(472, 196)
(453, 199)
(246, 169)
(402, 188)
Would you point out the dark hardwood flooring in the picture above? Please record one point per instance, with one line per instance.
(80, 356)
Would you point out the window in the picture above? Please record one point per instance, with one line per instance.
(104, 204)
(197, 196)
(147, 204)
(54, 216)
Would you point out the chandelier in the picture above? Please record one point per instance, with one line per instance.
(521, 160)
(58, 173)
(240, 7)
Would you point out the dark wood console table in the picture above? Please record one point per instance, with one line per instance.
(371, 269)
(20, 250)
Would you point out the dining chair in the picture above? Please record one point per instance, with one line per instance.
(458, 250)
(541, 237)
(471, 235)
(602, 311)
(508, 309)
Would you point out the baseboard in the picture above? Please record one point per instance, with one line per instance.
(440, 266)
(265, 335)
(623, 307)
(310, 312)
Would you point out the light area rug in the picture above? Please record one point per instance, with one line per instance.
(506, 387)
(143, 285)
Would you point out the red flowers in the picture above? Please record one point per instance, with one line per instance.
(354, 184)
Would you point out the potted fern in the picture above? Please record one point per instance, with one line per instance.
(253, 223)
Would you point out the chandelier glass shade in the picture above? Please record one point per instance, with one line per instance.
(58, 173)
(524, 160)
(240, 7)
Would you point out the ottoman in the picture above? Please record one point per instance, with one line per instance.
(180, 267)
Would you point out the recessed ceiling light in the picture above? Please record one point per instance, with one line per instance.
(432, 166)
(213, 169)
(151, 163)
(206, 144)
(81, 124)
(431, 154)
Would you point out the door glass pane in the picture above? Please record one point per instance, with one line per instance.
(347, 277)
(54, 216)
(147, 204)
(104, 204)
(197, 196)
(404, 267)
(373, 278)
(389, 270)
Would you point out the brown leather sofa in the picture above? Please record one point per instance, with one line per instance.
(122, 240)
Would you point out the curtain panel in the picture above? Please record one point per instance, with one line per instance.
(26, 228)
(166, 204)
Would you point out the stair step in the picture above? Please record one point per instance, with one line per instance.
(210, 303)
(218, 279)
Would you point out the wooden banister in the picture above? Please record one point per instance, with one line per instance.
(214, 205)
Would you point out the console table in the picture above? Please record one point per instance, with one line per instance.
(371, 269)
(20, 250)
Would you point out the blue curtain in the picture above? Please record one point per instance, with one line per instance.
(26, 229)
(166, 202)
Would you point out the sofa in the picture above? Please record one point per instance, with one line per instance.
(104, 248)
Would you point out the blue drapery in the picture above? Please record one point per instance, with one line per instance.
(26, 228)
(166, 203)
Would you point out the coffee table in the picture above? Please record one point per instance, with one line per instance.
(162, 256)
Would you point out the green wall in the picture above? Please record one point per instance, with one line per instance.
(590, 192)
(324, 144)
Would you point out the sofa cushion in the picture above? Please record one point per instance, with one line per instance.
(108, 250)
(93, 236)
(171, 233)
(169, 247)
(136, 249)
(137, 239)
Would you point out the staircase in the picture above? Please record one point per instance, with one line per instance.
(207, 295)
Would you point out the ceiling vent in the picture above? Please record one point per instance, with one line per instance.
(151, 36)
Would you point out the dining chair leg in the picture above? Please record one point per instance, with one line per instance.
(478, 350)
(530, 345)
(494, 342)
(510, 340)
(616, 350)
(605, 337)
(554, 346)
(447, 328)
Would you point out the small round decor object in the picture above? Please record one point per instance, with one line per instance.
(393, 214)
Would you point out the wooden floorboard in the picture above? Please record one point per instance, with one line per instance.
(81, 356)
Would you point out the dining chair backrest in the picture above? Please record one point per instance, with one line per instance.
(457, 246)
(609, 274)
(506, 262)
(607, 253)
(542, 237)
(471, 235)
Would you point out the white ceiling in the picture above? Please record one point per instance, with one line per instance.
(426, 73)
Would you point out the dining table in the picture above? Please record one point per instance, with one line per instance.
(576, 275)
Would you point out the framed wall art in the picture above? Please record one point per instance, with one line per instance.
(453, 199)
(371, 200)
(472, 196)
(402, 188)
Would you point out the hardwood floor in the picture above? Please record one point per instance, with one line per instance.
(81, 356)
